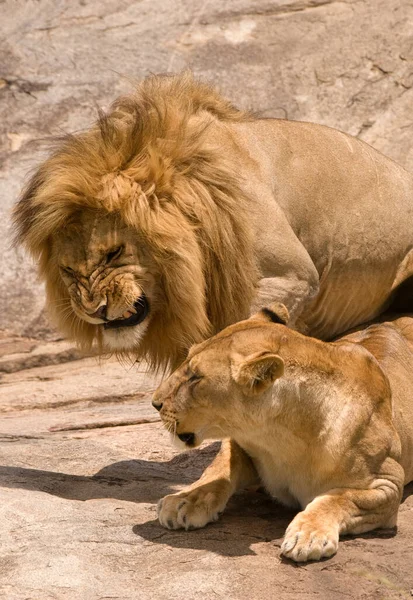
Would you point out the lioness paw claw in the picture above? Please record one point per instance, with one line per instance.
(188, 510)
(304, 541)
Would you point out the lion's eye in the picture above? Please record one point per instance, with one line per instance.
(67, 271)
(115, 253)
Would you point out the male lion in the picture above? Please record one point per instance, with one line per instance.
(176, 212)
(328, 427)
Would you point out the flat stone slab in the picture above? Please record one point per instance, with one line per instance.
(84, 460)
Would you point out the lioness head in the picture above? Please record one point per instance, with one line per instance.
(223, 382)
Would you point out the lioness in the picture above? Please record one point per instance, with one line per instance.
(327, 427)
(176, 212)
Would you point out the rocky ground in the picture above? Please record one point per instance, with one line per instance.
(83, 462)
(83, 457)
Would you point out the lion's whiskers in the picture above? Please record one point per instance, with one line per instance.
(66, 314)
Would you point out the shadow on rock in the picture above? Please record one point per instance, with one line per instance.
(129, 480)
(408, 491)
(250, 518)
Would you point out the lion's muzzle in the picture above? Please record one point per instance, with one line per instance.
(141, 306)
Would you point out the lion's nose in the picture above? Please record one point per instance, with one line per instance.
(156, 404)
(100, 313)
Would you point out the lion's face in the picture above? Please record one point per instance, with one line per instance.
(220, 389)
(109, 277)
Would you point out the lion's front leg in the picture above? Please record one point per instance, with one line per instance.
(314, 533)
(292, 292)
(205, 500)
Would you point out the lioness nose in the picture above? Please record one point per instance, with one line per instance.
(156, 404)
(100, 313)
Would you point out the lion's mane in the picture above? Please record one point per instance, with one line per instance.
(149, 161)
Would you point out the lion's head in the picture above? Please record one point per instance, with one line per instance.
(137, 225)
(221, 387)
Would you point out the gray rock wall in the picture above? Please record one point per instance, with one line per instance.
(346, 64)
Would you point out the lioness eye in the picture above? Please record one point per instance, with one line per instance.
(115, 253)
(195, 378)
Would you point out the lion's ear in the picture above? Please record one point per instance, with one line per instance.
(275, 313)
(257, 372)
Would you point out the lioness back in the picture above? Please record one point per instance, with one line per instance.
(391, 344)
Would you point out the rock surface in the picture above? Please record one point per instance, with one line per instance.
(347, 64)
(84, 461)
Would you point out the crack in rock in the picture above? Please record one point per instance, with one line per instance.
(270, 10)
(24, 85)
(102, 424)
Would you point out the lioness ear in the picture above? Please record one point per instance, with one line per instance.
(257, 372)
(275, 313)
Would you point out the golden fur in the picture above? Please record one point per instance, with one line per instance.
(147, 163)
(212, 211)
(324, 426)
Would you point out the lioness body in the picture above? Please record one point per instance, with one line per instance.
(328, 426)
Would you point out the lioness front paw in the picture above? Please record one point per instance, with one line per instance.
(308, 539)
(192, 509)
